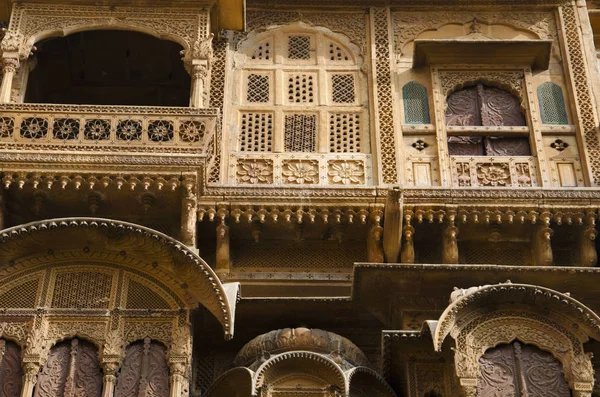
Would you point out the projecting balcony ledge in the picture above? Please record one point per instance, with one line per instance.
(107, 128)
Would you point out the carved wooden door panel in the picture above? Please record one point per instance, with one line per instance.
(72, 370)
(10, 369)
(483, 106)
(145, 372)
(517, 370)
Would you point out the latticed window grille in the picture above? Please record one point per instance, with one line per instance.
(342, 88)
(344, 133)
(258, 88)
(299, 47)
(300, 132)
(262, 52)
(416, 104)
(552, 104)
(337, 54)
(256, 132)
(298, 90)
(301, 88)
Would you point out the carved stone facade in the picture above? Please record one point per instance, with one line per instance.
(381, 199)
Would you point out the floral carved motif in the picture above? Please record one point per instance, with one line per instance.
(490, 174)
(346, 172)
(138, 330)
(254, 171)
(300, 172)
(92, 330)
(453, 80)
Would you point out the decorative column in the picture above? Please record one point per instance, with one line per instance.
(392, 233)
(374, 247)
(198, 60)
(9, 67)
(541, 242)
(587, 242)
(70, 382)
(30, 374)
(178, 371)
(450, 240)
(189, 215)
(408, 246)
(109, 380)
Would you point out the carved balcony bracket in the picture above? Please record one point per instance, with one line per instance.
(392, 236)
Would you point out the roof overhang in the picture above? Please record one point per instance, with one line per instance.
(534, 53)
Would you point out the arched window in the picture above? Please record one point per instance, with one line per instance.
(416, 104)
(145, 372)
(300, 91)
(72, 368)
(552, 104)
(520, 370)
(10, 369)
(484, 106)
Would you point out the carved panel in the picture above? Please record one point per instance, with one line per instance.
(10, 369)
(519, 370)
(145, 372)
(72, 368)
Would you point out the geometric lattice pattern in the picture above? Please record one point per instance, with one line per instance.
(292, 254)
(258, 88)
(416, 104)
(299, 47)
(337, 54)
(82, 289)
(342, 88)
(300, 89)
(262, 52)
(256, 132)
(552, 104)
(141, 297)
(300, 132)
(20, 296)
(481, 255)
(344, 133)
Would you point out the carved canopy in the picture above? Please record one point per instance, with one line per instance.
(77, 240)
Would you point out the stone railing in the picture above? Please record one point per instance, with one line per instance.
(482, 171)
(91, 127)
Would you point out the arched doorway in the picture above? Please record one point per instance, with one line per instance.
(518, 369)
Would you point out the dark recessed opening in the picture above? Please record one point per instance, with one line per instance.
(109, 68)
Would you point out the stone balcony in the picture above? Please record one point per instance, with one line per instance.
(111, 129)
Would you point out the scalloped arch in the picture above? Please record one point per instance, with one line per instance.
(124, 244)
(529, 297)
(314, 364)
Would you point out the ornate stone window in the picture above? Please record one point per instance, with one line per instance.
(299, 91)
(552, 104)
(416, 103)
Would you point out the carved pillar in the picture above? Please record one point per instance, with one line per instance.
(9, 67)
(586, 244)
(30, 371)
(223, 254)
(541, 242)
(178, 371)
(199, 76)
(392, 234)
(450, 241)
(109, 379)
(374, 246)
(189, 214)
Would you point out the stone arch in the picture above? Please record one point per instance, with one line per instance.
(364, 382)
(236, 382)
(530, 314)
(260, 35)
(302, 363)
(143, 250)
